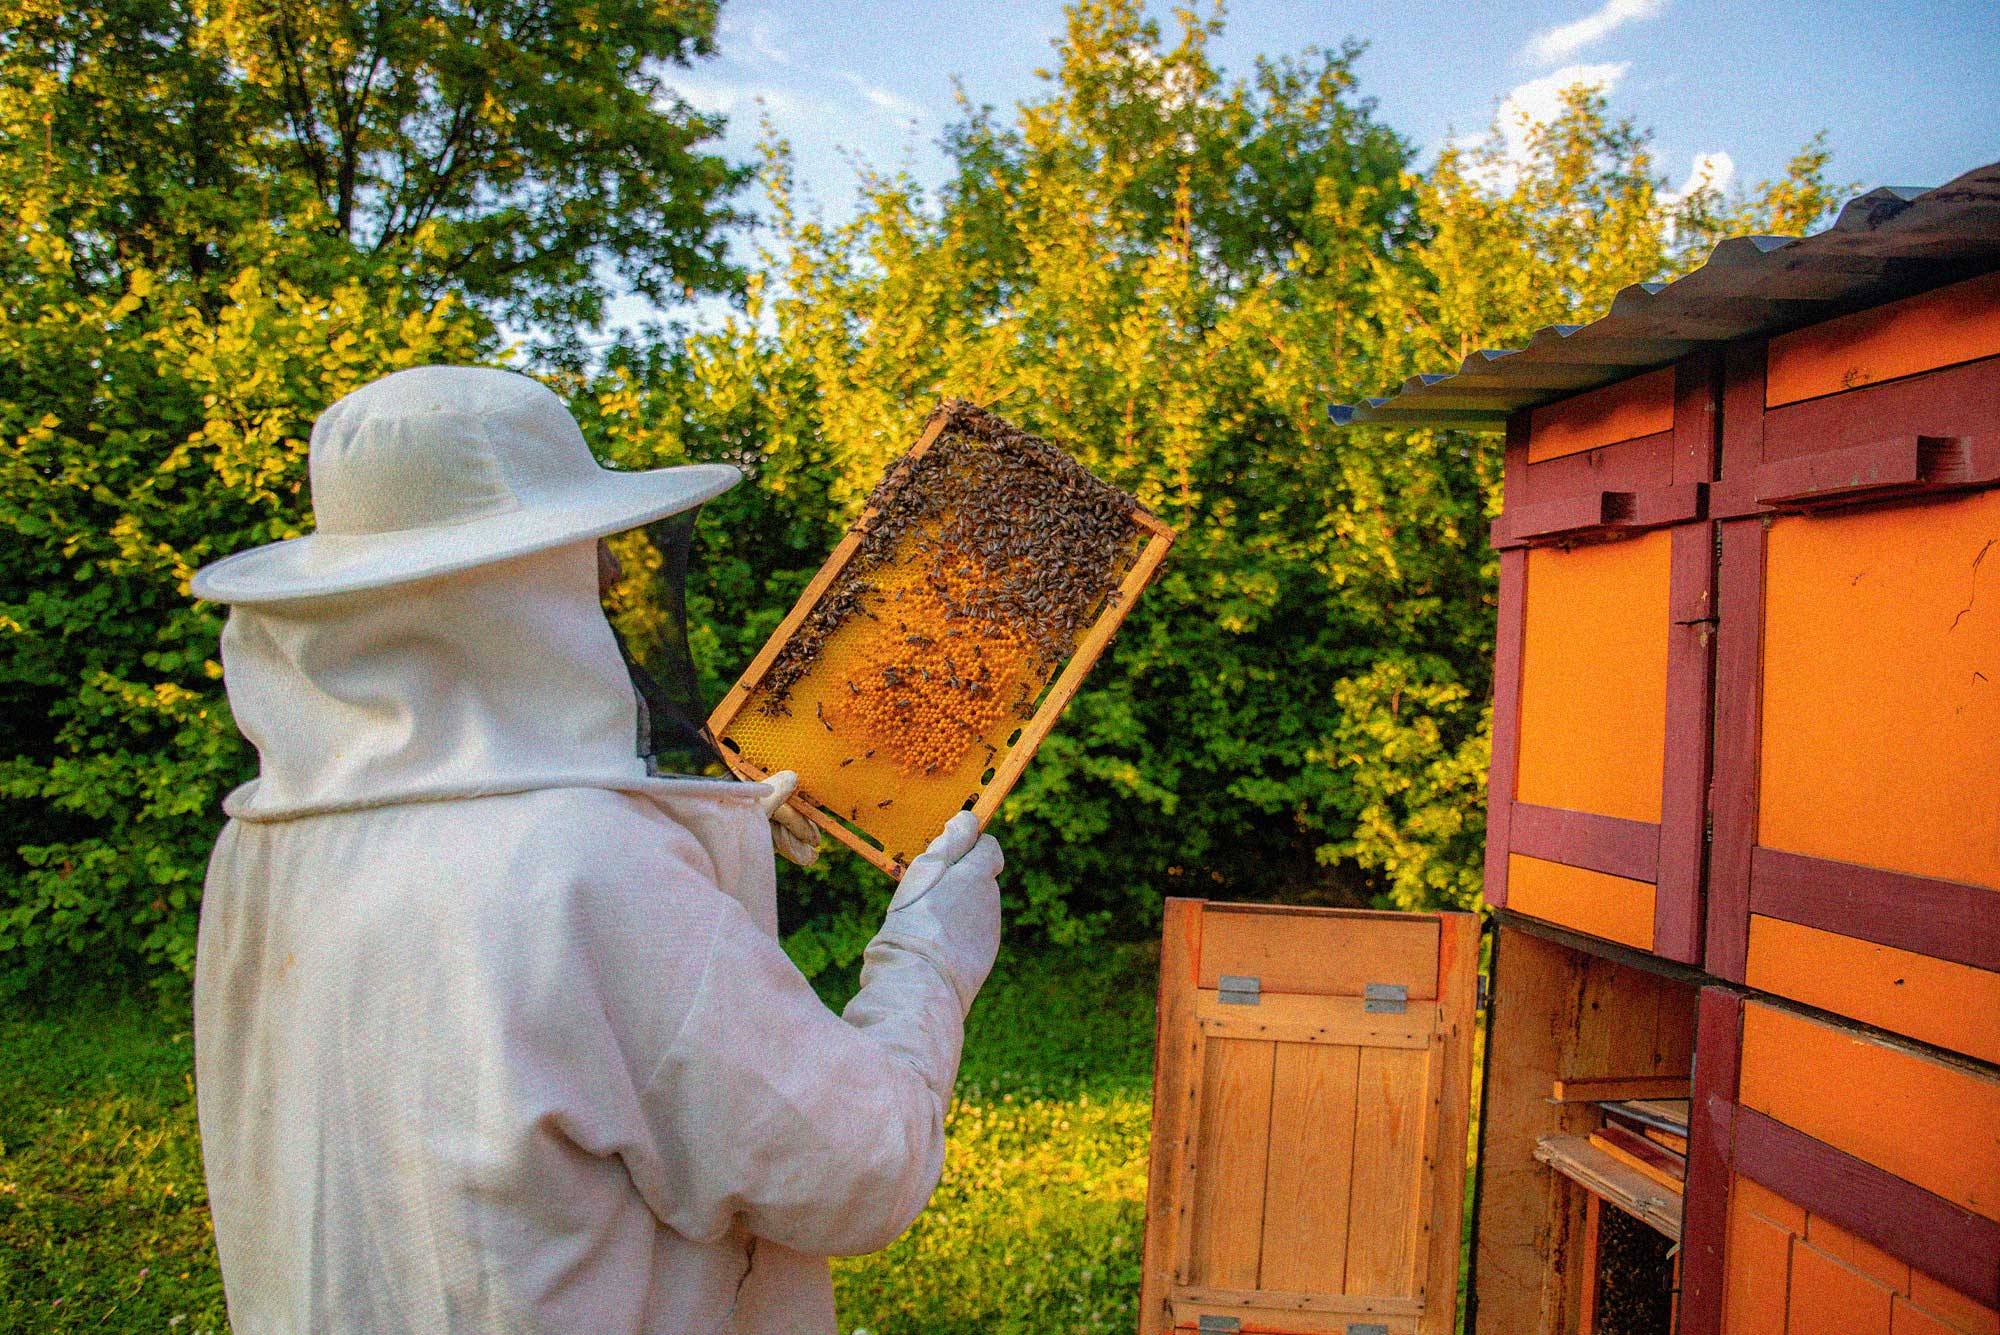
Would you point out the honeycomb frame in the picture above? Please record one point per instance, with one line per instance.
(1005, 763)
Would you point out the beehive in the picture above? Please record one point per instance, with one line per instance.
(1742, 843)
(932, 654)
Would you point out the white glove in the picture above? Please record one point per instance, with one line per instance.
(947, 907)
(794, 836)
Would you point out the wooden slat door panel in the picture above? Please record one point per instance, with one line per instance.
(1309, 1148)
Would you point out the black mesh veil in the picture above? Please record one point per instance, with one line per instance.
(645, 599)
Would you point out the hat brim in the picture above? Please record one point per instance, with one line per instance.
(320, 565)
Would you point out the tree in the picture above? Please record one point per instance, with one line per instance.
(1173, 272)
(221, 218)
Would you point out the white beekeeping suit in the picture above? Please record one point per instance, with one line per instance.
(493, 1033)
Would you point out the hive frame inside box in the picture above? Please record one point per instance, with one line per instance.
(1013, 759)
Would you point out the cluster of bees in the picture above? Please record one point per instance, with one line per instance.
(981, 562)
(929, 693)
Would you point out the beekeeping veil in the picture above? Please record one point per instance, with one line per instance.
(440, 632)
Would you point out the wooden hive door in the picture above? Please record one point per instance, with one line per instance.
(1311, 1093)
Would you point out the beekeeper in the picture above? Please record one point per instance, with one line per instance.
(493, 1032)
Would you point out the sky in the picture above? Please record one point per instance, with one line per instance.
(1908, 93)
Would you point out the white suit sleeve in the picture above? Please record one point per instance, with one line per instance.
(824, 1134)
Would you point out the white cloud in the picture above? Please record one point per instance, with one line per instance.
(882, 99)
(1709, 171)
(1540, 100)
(727, 97)
(1528, 105)
(1560, 43)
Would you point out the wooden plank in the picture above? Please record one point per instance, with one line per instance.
(1640, 406)
(1597, 1088)
(1612, 907)
(1626, 848)
(1619, 1183)
(1392, 1125)
(1942, 1239)
(1959, 323)
(1524, 1222)
(1321, 954)
(1682, 846)
(1667, 1140)
(1937, 1001)
(1910, 1114)
(1501, 773)
(1962, 1315)
(1739, 693)
(1667, 1112)
(1313, 1090)
(1175, 1043)
(1232, 1143)
(1958, 401)
(1760, 1271)
(1590, 1260)
(1826, 1296)
(1622, 1152)
(1948, 920)
(1718, 1033)
(1310, 1019)
(1274, 1313)
(1443, 1210)
(1594, 678)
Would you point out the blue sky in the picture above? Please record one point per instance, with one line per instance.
(1909, 93)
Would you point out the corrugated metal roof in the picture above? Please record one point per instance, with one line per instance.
(1886, 244)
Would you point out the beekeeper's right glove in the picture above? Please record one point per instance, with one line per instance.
(947, 907)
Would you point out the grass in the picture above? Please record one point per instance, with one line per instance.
(1036, 1225)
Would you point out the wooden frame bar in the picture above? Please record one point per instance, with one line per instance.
(1705, 1214)
(1813, 444)
(1946, 920)
(1947, 1242)
(1661, 480)
(1009, 764)
(1944, 1240)
(1627, 848)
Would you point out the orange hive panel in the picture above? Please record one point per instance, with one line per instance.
(914, 677)
(1628, 410)
(1960, 323)
(1881, 731)
(1593, 719)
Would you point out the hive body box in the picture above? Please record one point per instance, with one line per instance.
(1748, 733)
(1744, 810)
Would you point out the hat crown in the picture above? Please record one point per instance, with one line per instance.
(441, 445)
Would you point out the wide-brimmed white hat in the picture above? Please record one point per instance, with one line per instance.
(442, 468)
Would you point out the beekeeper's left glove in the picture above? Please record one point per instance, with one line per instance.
(795, 837)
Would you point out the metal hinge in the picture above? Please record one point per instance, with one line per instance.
(1237, 989)
(1366, 1328)
(1385, 999)
(1223, 1325)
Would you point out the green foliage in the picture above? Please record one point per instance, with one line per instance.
(209, 245)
